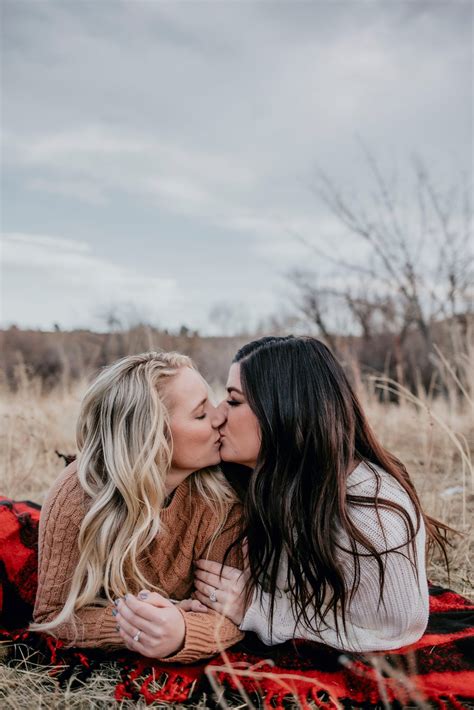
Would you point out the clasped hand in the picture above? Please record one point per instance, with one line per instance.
(222, 588)
(160, 623)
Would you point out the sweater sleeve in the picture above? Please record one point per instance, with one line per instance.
(60, 522)
(210, 633)
(398, 619)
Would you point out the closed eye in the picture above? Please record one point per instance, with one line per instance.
(232, 402)
(203, 416)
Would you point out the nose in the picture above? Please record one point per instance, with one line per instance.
(219, 416)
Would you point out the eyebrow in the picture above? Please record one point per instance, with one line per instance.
(200, 404)
(234, 389)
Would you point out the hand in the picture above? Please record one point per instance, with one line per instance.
(161, 624)
(227, 583)
(192, 605)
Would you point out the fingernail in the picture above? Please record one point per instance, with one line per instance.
(116, 601)
(114, 612)
(143, 595)
(117, 628)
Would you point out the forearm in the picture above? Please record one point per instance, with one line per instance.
(377, 636)
(380, 614)
(398, 620)
(61, 517)
(94, 627)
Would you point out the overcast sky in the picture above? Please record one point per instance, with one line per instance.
(158, 156)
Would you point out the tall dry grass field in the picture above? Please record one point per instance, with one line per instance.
(433, 436)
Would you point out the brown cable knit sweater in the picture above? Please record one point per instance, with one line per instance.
(168, 563)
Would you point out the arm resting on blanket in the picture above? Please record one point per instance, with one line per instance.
(401, 616)
(64, 509)
(59, 526)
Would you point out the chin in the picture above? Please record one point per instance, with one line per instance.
(222, 455)
(226, 457)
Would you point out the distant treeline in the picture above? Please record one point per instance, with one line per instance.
(64, 357)
(59, 357)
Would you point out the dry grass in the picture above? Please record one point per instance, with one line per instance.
(27, 686)
(434, 438)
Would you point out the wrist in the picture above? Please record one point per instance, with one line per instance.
(181, 631)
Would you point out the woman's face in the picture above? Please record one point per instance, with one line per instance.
(240, 432)
(194, 423)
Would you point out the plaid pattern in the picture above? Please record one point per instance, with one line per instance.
(438, 669)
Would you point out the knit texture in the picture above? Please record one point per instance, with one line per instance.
(188, 525)
(400, 618)
(436, 671)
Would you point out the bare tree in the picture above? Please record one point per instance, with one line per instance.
(418, 269)
(124, 316)
(230, 318)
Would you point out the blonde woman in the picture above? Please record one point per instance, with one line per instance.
(121, 529)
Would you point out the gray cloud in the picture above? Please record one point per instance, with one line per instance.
(200, 125)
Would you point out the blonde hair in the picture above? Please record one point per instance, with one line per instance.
(125, 452)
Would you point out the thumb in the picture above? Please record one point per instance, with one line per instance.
(153, 598)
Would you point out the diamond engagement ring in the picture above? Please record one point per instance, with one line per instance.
(137, 636)
(212, 596)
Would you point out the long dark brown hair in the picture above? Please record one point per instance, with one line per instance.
(313, 433)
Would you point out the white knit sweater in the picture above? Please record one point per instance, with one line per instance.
(401, 617)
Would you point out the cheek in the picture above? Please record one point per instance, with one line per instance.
(190, 442)
(244, 423)
(244, 431)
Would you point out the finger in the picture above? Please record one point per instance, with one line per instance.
(136, 646)
(205, 601)
(186, 604)
(191, 605)
(143, 609)
(212, 579)
(153, 598)
(196, 605)
(206, 589)
(151, 623)
(130, 630)
(216, 568)
(214, 606)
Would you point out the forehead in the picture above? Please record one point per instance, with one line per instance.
(233, 379)
(186, 388)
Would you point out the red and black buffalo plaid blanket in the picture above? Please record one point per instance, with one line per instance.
(438, 671)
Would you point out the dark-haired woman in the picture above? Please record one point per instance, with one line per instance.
(336, 533)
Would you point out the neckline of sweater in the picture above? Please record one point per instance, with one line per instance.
(179, 495)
